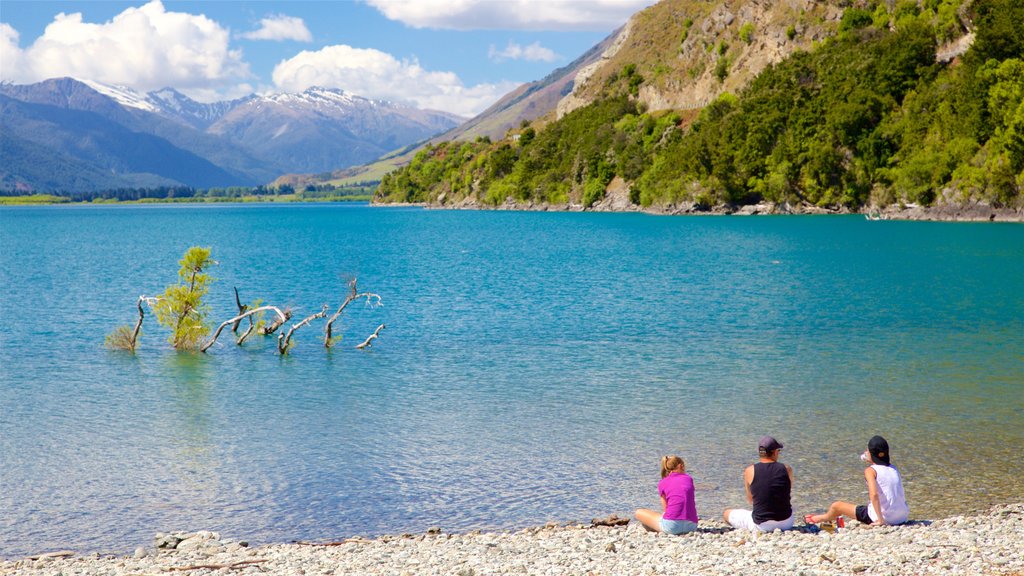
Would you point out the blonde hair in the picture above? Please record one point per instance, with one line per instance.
(670, 463)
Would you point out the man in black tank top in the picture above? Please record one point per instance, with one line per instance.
(769, 484)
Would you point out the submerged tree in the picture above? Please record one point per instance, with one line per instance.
(125, 337)
(181, 308)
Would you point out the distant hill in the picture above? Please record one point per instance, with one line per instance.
(749, 106)
(165, 138)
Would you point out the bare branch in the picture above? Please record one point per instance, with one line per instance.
(241, 310)
(267, 330)
(284, 342)
(371, 300)
(138, 325)
(281, 316)
(371, 338)
(247, 333)
(241, 565)
(125, 338)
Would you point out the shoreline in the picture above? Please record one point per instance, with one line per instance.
(980, 543)
(973, 212)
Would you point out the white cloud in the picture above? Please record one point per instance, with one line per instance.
(375, 74)
(143, 47)
(11, 56)
(533, 53)
(280, 27)
(597, 15)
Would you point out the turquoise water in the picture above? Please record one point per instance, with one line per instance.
(534, 367)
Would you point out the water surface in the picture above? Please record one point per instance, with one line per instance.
(534, 367)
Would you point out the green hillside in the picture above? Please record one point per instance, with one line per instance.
(868, 116)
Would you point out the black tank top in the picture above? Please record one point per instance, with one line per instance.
(770, 489)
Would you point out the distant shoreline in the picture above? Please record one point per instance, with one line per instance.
(53, 200)
(947, 213)
(982, 543)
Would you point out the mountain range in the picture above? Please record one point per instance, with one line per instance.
(72, 135)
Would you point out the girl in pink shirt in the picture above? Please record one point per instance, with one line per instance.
(676, 490)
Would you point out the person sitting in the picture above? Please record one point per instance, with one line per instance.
(677, 501)
(769, 484)
(886, 501)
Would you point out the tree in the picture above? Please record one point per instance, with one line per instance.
(181, 308)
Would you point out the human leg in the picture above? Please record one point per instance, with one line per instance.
(740, 519)
(771, 525)
(837, 509)
(649, 518)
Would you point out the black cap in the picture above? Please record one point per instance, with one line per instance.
(879, 450)
(768, 444)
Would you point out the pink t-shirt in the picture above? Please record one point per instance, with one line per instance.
(677, 490)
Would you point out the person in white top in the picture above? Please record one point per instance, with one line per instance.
(886, 502)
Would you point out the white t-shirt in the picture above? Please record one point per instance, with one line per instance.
(890, 496)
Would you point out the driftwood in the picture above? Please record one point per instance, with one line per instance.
(248, 331)
(125, 338)
(233, 566)
(277, 323)
(61, 554)
(248, 313)
(612, 520)
(241, 310)
(338, 543)
(284, 342)
(366, 343)
(138, 325)
(353, 294)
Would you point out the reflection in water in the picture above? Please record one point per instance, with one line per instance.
(187, 374)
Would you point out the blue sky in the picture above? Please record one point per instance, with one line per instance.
(453, 55)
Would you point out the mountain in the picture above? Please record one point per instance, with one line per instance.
(127, 158)
(173, 104)
(527, 102)
(346, 129)
(682, 59)
(246, 141)
(750, 106)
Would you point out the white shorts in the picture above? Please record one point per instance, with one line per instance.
(744, 520)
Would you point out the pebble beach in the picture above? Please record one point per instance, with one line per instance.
(976, 544)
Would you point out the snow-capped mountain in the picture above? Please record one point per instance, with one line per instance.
(174, 104)
(344, 126)
(245, 141)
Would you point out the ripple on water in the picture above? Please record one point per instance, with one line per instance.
(535, 367)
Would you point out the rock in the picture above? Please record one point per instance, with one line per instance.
(166, 541)
(141, 552)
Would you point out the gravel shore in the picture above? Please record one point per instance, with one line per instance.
(986, 543)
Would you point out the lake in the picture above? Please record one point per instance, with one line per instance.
(534, 368)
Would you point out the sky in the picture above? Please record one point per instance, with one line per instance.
(459, 56)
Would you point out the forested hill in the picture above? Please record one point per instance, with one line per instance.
(884, 111)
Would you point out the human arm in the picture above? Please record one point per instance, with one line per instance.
(664, 503)
(748, 478)
(873, 500)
